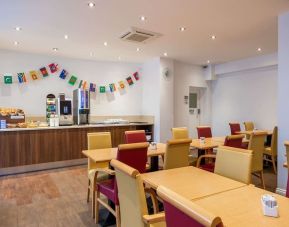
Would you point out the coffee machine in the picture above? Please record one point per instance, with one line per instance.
(64, 110)
(81, 106)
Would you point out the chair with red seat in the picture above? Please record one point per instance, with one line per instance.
(134, 155)
(235, 127)
(234, 141)
(136, 136)
(180, 211)
(204, 131)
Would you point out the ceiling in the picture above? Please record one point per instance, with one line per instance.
(240, 26)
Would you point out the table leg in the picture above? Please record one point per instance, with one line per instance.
(154, 163)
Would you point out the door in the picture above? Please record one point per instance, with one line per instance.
(194, 110)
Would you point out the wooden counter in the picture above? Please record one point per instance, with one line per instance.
(20, 147)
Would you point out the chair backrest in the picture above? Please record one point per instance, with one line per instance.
(177, 153)
(180, 133)
(249, 125)
(136, 136)
(131, 194)
(256, 144)
(134, 155)
(234, 163)
(204, 131)
(98, 140)
(234, 141)
(274, 141)
(180, 211)
(235, 127)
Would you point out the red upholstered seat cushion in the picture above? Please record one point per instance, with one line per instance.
(138, 137)
(208, 167)
(204, 132)
(107, 187)
(235, 127)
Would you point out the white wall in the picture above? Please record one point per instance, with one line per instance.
(186, 75)
(31, 96)
(283, 94)
(245, 96)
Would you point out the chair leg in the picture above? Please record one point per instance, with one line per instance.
(274, 164)
(117, 212)
(88, 190)
(93, 201)
(262, 179)
(96, 208)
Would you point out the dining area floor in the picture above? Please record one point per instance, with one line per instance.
(58, 198)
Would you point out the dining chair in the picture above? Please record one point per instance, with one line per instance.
(256, 144)
(134, 155)
(177, 153)
(287, 154)
(231, 162)
(204, 131)
(180, 211)
(180, 133)
(135, 136)
(235, 127)
(249, 126)
(132, 198)
(234, 141)
(270, 153)
(96, 140)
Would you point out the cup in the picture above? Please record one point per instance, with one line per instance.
(202, 140)
(153, 145)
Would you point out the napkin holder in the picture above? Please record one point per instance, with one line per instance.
(267, 210)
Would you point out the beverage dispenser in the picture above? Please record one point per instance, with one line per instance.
(81, 106)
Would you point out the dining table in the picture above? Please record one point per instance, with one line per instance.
(207, 143)
(269, 132)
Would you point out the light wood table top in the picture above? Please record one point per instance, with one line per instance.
(209, 143)
(107, 154)
(190, 182)
(269, 132)
(242, 207)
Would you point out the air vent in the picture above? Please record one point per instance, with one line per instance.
(139, 35)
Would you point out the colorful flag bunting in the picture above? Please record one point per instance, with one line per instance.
(72, 80)
(63, 74)
(53, 67)
(44, 72)
(33, 75)
(21, 78)
(102, 89)
(112, 87)
(121, 84)
(82, 84)
(92, 87)
(8, 79)
(136, 76)
(129, 81)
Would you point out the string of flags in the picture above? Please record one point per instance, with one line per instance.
(72, 79)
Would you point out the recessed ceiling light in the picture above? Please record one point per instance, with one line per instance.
(105, 43)
(137, 49)
(208, 61)
(182, 29)
(143, 18)
(16, 43)
(91, 4)
(259, 49)
(18, 29)
(55, 49)
(213, 37)
(65, 36)
(165, 54)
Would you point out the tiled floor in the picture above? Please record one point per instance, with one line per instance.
(55, 198)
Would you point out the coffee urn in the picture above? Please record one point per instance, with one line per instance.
(81, 106)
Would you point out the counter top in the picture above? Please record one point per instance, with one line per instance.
(74, 126)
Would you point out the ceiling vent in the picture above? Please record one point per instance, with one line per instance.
(139, 35)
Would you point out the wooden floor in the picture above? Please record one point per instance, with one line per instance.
(56, 198)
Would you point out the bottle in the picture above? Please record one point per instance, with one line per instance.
(52, 120)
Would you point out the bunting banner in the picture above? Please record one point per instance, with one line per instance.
(72, 79)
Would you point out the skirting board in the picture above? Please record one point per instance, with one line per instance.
(42, 166)
(281, 191)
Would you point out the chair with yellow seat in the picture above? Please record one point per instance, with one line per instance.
(180, 211)
(231, 162)
(132, 199)
(256, 144)
(96, 140)
(270, 153)
(177, 153)
(249, 126)
(180, 133)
